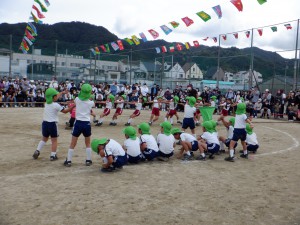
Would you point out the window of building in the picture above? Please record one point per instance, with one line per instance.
(114, 76)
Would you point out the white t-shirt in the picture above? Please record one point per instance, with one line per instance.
(138, 106)
(251, 139)
(108, 105)
(165, 143)
(240, 121)
(51, 112)
(120, 104)
(212, 104)
(150, 141)
(83, 109)
(114, 148)
(230, 132)
(171, 105)
(187, 137)
(155, 104)
(132, 147)
(189, 111)
(211, 138)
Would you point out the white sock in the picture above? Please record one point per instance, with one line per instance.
(222, 145)
(53, 153)
(70, 154)
(166, 119)
(100, 120)
(104, 160)
(171, 120)
(245, 152)
(231, 152)
(130, 120)
(203, 154)
(188, 153)
(40, 145)
(88, 153)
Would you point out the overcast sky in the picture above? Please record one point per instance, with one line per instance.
(130, 17)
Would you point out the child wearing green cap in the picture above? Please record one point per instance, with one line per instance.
(155, 110)
(189, 111)
(229, 125)
(137, 111)
(112, 154)
(148, 144)
(82, 124)
(166, 142)
(251, 140)
(108, 105)
(172, 109)
(50, 120)
(119, 109)
(132, 145)
(239, 132)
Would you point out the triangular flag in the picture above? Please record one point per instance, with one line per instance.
(121, 46)
(97, 50)
(29, 35)
(47, 3)
(135, 40)
(43, 8)
(157, 50)
(236, 35)
(114, 45)
(207, 112)
(196, 43)
(218, 11)
(247, 33)
(187, 21)
(39, 14)
(107, 48)
(205, 39)
(274, 29)
(238, 4)
(204, 16)
(153, 33)
(129, 41)
(143, 36)
(23, 49)
(35, 19)
(93, 51)
(260, 32)
(288, 26)
(28, 41)
(174, 24)
(215, 39)
(262, 1)
(179, 47)
(24, 43)
(163, 49)
(172, 49)
(32, 28)
(187, 45)
(224, 37)
(103, 48)
(166, 29)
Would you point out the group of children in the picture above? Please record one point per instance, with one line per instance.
(145, 147)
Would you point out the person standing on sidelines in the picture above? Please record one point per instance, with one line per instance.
(50, 119)
(82, 124)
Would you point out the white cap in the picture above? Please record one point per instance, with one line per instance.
(267, 90)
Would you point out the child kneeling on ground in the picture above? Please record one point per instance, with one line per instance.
(165, 141)
(132, 146)
(148, 144)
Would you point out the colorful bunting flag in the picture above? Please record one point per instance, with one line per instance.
(179, 47)
(47, 3)
(224, 37)
(260, 32)
(238, 4)
(187, 45)
(174, 24)
(39, 14)
(23, 49)
(103, 48)
(218, 11)
(262, 1)
(247, 33)
(129, 41)
(121, 46)
(24, 43)
(215, 39)
(143, 36)
(29, 35)
(28, 41)
(135, 40)
(187, 21)
(97, 50)
(43, 8)
(153, 33)
(166, 29)
(32, 28)
(163, 49)
(172, 49)
(205, 39)
(93, 51)
(114, 45)
(157, 50)
(274, 29)
(288, 26)
(107, 48)
(35, 19)
(196, 43)
(204, 16)
(236, 35)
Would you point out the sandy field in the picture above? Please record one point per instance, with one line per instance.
(265, 189)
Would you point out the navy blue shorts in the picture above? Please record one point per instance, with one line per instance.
(252, 148)
(150, 154)
(227, 143)
(49, 129)
(195, 146)
(161, 154)
(213, 148)
(133, 159)
(239, 134)
(188, 122)
(82, 127)
(120, 161)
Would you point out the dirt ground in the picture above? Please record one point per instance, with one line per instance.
(265, 189)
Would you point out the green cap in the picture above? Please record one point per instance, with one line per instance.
(249, 130)
(50, 93)
(167, 127)
(130, 132)
(241, 109)
(96, 142)
(145, 128)
(199, 98)
(208, 126)
(213, 97)
(123, 96)
(159, 97)
(85, 92)
(232, 121)
(111, 97)
(214, 125)
(176, 99)
(176, 131)
(192, 101)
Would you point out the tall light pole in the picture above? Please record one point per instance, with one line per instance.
(10, 54)
(286, 67)
(56, 41)
(296, 60)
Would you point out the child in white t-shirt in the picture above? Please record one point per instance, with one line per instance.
(148, 144)
(132, 145)
(189, 111)
(108, 105)
(230, 128)
(137, 111)
(251, 140)
(165, 141)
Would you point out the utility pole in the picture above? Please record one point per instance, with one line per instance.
(95, 67)
(56, 42)
(162, 69)
(251, 63)
(130, 67)
(32, 53)
(218, 70)
(10, 54)
(296, 60)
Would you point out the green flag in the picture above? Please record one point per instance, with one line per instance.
(207, 112)
(107, 48)
(204, 16)
(129, 41)
(43, 8)
(262, 1)
(274, 29)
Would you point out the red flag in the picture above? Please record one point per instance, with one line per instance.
(40, 15)
(103, 48)
(163, 49)
(172, 49)
(196, 44)
(247, 33)
(120, 45)
(205, 39)
(238, 4)
(288, 26)
(260, 32)
(236, 35)
(215, 39)
(179, 47)
(29, 35)
(224, 37)
(187, 21)
(153, 33)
